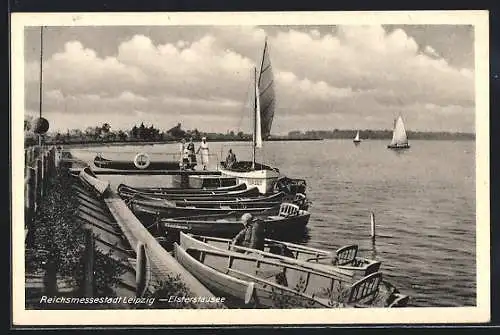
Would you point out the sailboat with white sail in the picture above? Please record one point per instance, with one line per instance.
(250, 172)
(399, 137)
(356, 138)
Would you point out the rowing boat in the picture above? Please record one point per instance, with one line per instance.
(151, 207)
(134, 164)
(172, 190)
(286, 221)
(344, 258)
(264, 283)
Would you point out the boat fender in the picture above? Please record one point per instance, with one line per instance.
(141, 161)
(249, 293)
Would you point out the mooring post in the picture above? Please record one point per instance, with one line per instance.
(141, 269)
(372, 222)
(89, 263)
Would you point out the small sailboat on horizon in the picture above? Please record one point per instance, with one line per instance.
(399, 137)
(356, 139)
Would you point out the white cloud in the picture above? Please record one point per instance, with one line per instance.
(356, 72)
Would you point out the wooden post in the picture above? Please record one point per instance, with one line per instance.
(89, 260)
(372, 221)
(141, 269)
(39, 182)
(50, 277)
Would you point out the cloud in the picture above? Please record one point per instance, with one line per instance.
(343, 76)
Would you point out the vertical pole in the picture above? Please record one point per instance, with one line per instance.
(38, 183)
(372, 221)
(254, 120)
(41, 76)
(89, 263)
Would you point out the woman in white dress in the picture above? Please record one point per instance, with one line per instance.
(204, 152)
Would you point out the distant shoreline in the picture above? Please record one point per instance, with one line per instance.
(142, 143)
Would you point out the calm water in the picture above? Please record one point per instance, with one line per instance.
(423, 200)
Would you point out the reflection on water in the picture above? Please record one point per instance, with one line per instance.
(423, 199)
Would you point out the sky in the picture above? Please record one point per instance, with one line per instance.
(326, 77)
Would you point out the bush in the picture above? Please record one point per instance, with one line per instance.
(62, 237)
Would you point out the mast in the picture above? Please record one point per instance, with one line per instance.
(254, 138)
(41, 80)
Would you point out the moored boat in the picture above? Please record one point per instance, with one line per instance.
(288, 220)
(161, 208)
(265, 283)
(127, 193)
(140, 162)
(344, 258)
(172, 190)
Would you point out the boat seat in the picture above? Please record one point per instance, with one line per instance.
(287, 210)
(366, 288)
(346, 255)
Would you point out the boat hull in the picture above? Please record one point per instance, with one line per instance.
(298, 254)
(169, 190)
(230, 224)
(398, 147)
(129, 165)
(235, 289)
(261, 283)
(145, 209)
(264, 179)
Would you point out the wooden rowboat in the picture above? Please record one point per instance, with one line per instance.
(263, 283)
(171, 190)
(89, 179)
(125, 193)
(344, 258)
(166, 209)
(288, 220)
(130, 165)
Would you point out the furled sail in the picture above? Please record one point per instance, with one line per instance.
(266, 94)
(399, 133)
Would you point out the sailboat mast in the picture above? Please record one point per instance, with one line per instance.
(254, 138)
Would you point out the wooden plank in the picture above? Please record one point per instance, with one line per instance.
(163, 264)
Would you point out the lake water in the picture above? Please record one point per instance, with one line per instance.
(423, 200)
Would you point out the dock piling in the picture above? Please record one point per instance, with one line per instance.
(372, 223)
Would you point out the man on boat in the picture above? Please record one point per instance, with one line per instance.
(252, 235)
(181, 150)
(192, 155)
(230, 159)
(204, 152)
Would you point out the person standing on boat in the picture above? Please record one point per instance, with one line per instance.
(230, 159)
(192, 155)
(204, 152)
(181, 150)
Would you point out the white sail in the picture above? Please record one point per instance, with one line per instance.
(357, 137)
(399, 137)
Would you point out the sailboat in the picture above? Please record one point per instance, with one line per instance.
(251, 173)
(356, 139)
(399, 138)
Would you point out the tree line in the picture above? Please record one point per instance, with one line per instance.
(143, 133)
